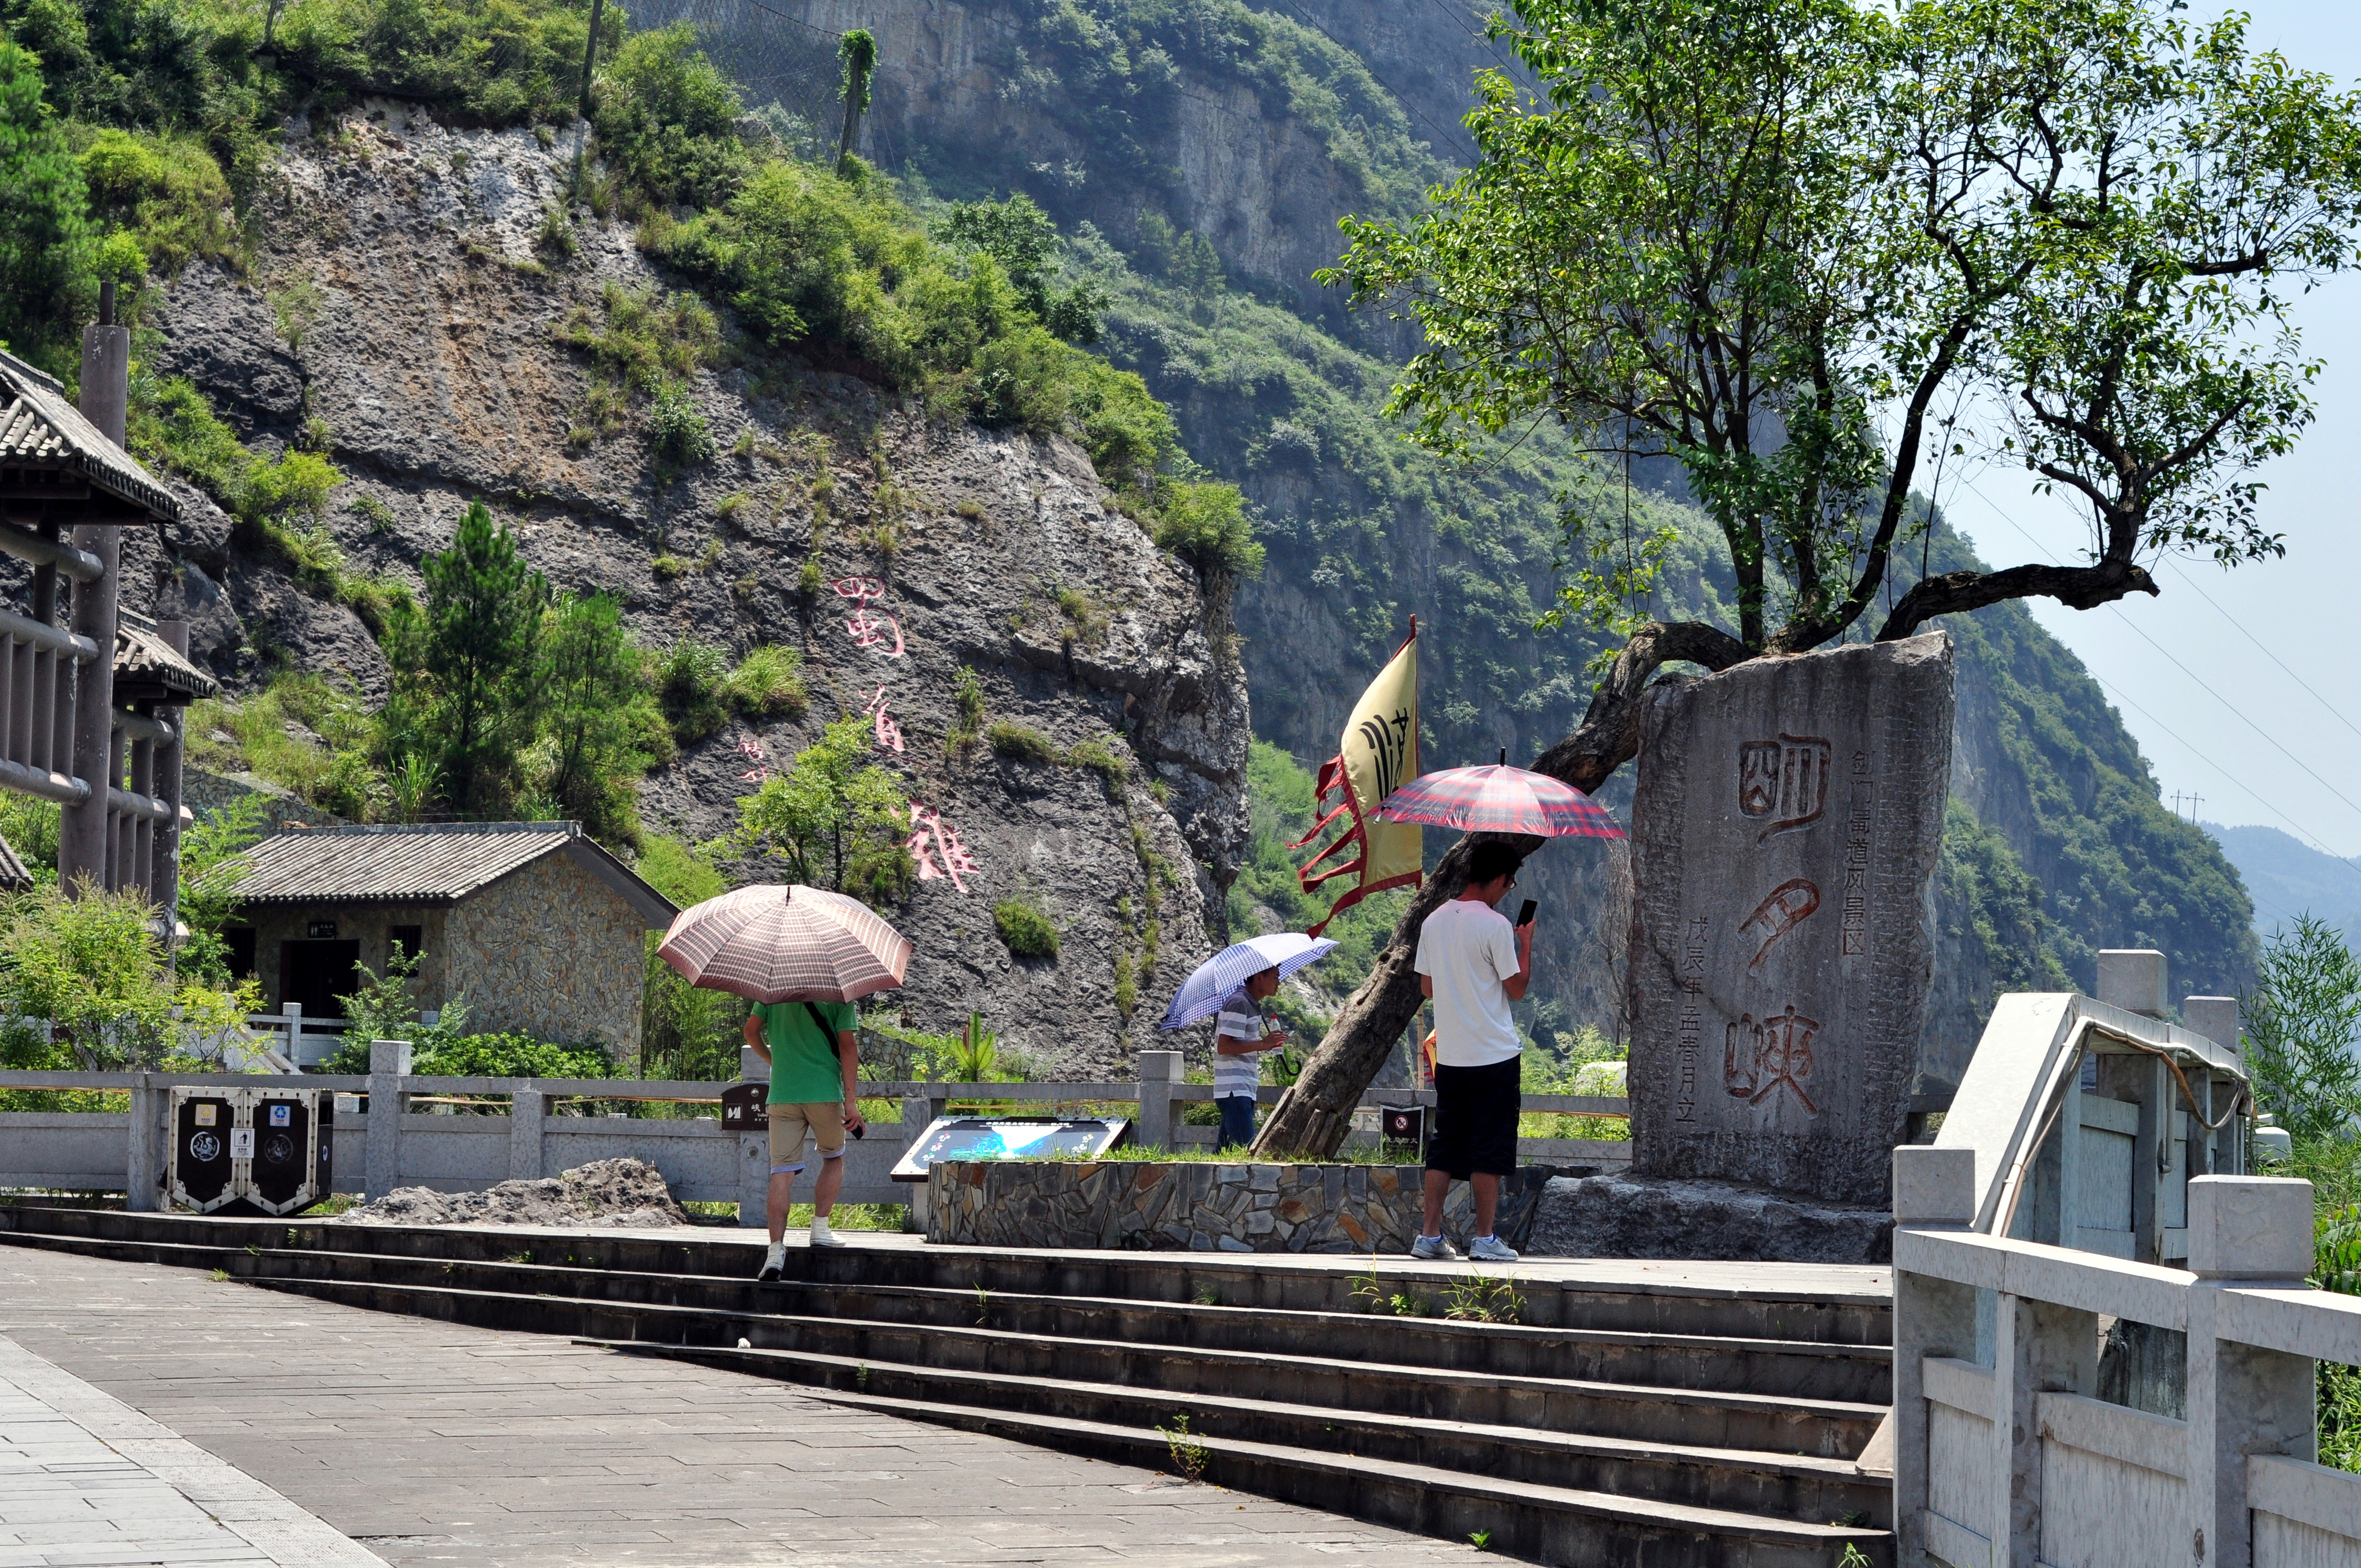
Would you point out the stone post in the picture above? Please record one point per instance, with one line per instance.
(2243, 1399)
(143, 1190)
(2216, 1018)
(2133, 980)
(528, 1120)
(920, 1112)
(293, 1013)
(1933, 1189)
(754, 1179)
(2040, 1347)
(388, 1065)
(1159, 1071)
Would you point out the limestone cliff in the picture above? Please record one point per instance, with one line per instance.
(434, 375)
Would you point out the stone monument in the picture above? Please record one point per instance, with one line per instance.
(1784, 830)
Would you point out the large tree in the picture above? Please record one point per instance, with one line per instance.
(1797, 247)
(464, 664)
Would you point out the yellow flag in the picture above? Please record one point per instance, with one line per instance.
(1378, 756)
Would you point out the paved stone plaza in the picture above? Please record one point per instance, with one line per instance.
(432, 1443)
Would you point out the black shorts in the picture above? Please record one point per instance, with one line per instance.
(1475, 1120)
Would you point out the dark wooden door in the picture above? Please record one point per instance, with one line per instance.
(316, 973)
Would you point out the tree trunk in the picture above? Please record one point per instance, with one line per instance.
(1313, 1116)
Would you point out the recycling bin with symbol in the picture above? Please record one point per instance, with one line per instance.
(250, 1151)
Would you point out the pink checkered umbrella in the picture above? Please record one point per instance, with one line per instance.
(1499, 800)
(786, 943)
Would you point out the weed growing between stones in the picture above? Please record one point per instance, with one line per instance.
(983, 1306)
(967, 696)
(1481, 1539)
(221, 1275)
(1483, 1298)
(1188, 1454)
(1026, 932)
(1207, 1296)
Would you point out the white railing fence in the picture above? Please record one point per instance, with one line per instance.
(393, 1143)
(2005, 1454)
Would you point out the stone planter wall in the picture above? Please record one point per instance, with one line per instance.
(1189, 1206)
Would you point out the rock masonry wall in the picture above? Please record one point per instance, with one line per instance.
(1188, 1206)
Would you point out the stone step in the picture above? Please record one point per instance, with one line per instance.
(1665, 1304)
(1787, 1424)
(1551, 1525)
(1794, 1487)
(1854, 1373)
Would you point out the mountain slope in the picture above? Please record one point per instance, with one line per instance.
(2290, 878)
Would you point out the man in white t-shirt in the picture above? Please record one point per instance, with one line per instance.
(1472, 965)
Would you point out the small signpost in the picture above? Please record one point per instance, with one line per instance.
(1009, 1137)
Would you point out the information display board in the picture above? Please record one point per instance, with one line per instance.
(1009, 1137)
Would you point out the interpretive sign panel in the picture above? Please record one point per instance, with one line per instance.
(1007, 1137)
(1786, 824)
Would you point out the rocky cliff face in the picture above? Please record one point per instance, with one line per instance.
(2063, 848)
(432, 367)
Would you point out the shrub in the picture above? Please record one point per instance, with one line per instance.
(165, 190)
(1205, 524)
(1022, 743)
(1026, 931)
(676, 431)
(767, 683)
(688, 679)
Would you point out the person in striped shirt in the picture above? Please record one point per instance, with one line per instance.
(1239, 1036)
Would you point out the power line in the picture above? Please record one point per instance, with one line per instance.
(2112, 690)
(2273, 658)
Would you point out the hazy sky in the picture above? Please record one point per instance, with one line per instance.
(2200, 684)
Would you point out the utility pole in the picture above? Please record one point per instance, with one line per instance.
(85, 829)
(582, 102)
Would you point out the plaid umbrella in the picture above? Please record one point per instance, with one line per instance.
(788, 943)
(1499, 800)
(1200, 994)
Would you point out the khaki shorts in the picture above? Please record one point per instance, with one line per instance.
(826, 1120)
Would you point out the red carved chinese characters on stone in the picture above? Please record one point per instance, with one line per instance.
(751, 750)
(935, 846)
(870, 629)
(1787, 906)
(888, 732)
(1785, 781)
(860, 590)
(1760, 1058)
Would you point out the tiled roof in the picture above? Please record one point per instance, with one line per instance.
(436, 863)
(39, 429)
(144, 658)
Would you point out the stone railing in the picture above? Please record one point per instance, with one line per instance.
(2005, 1451)
(529, 1136)
(2087, 1118)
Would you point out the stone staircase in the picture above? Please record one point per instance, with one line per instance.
(1621, 1424)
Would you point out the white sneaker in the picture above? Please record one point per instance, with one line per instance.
(1490, 1249)
(774, 1263)
(822, 1236)
(1435, 1249)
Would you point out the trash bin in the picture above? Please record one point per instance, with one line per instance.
(294, 1148)
(250, 1151)
(199, 1169)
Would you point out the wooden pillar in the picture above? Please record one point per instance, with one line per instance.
(165, 875)
(82, 838)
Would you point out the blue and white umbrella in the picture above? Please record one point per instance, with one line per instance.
(1201, 995)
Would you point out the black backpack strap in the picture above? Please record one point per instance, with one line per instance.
(819, 1021)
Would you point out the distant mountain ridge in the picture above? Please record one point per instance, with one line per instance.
(2288, 877)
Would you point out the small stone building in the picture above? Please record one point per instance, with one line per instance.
(541, 931)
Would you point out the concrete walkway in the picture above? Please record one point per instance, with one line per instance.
(436, 1443)
(85, 1480)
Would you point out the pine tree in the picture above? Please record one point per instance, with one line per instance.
(465, 663)
(596, 713)
(45, 241)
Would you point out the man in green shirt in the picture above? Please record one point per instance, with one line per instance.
(814, 1056)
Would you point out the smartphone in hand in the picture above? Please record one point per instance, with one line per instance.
(1525, 915)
